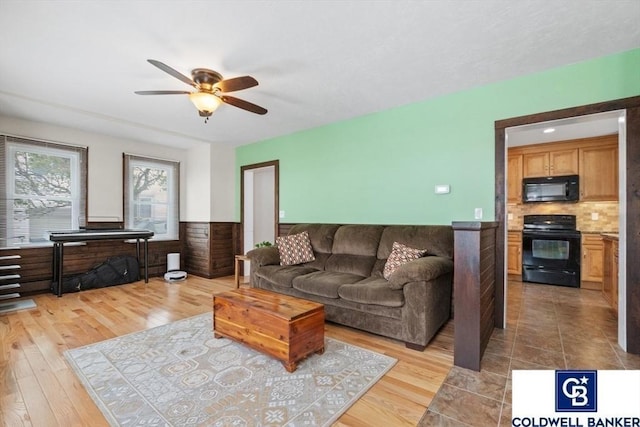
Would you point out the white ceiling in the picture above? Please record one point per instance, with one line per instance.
(565, 129)
(78, 63)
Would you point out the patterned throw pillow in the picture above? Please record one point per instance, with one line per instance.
(400, 254)
(295, 249)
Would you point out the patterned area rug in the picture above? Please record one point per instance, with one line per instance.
(179, 375)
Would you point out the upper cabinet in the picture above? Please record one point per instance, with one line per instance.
(550, 163)
(595, 160)
(514, 178)
(599, 172)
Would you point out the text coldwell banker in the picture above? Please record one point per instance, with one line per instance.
(576, 422)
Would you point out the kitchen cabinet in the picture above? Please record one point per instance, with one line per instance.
(514, 178)
(592, 262)
(599, 172)
(514, 252)
(550, 163)
(610, 276)
(595, 160)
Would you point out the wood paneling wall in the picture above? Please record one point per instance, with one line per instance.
(37, 263)
(210, 248)
(474, 287)
(207, 249)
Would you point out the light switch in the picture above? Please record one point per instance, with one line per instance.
(478, 213)
(281, 214)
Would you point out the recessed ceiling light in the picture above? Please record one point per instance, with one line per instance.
(549, 130)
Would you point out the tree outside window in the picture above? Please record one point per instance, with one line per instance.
(151, 196)
(44, 190)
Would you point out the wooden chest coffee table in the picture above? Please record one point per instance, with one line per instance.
(281, 326)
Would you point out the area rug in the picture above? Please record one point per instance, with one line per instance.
(180, 375)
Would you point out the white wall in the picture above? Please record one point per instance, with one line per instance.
(206, 172)
(198, 177)
(223, 178)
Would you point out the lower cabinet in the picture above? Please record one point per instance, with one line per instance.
(514, 252)
(591, 270)
(610, 279)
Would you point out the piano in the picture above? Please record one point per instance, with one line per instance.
(59, 238)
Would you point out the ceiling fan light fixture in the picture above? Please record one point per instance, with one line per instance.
(210, 88)
(205, 102)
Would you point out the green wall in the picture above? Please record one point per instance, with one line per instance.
(382, 168)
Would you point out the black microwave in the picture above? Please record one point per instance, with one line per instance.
(551, 189)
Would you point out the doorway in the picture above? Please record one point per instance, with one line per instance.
(259, 204)
(630, 204)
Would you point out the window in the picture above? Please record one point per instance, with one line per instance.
(151, 195)
(43, 187)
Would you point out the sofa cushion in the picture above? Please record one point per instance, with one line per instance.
(320, 235)
(372, 291)
(324, 283)
(295, 249)
(436, 239)
(282, 275)
(400, 254)
(357, 240)
(354, 249)
(351, 264)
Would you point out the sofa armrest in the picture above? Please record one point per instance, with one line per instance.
(268, 255)
(421, 269)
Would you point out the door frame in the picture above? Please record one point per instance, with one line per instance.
(276, 195)
(632, 107)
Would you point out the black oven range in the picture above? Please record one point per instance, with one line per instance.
(551, 250)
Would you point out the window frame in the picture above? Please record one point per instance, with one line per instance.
(78, 155)
(172, 168)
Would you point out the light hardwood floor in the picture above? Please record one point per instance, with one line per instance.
(38, 388)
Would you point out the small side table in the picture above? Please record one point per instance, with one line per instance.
(237, 268)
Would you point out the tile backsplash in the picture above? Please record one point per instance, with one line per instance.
(607, 213)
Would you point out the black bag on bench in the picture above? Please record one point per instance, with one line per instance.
(116, 270)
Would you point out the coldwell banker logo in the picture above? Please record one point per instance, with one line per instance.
(580, 398)
(576, 391)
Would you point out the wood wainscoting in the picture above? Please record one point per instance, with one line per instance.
(207, 249)
(210, 247)
(36, 264)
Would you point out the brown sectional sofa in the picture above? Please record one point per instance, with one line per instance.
(346, 276)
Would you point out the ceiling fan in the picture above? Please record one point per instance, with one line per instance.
(210, 89)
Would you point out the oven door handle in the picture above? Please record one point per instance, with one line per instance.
(558, 234)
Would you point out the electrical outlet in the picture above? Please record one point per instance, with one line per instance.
(478, 213)
(510, 216)
(595, 216)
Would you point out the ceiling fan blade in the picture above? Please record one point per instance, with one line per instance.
(162, 92)
(245, 105)
(178, 75)
(237, 83)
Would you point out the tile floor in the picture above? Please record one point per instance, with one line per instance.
(548, 327)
